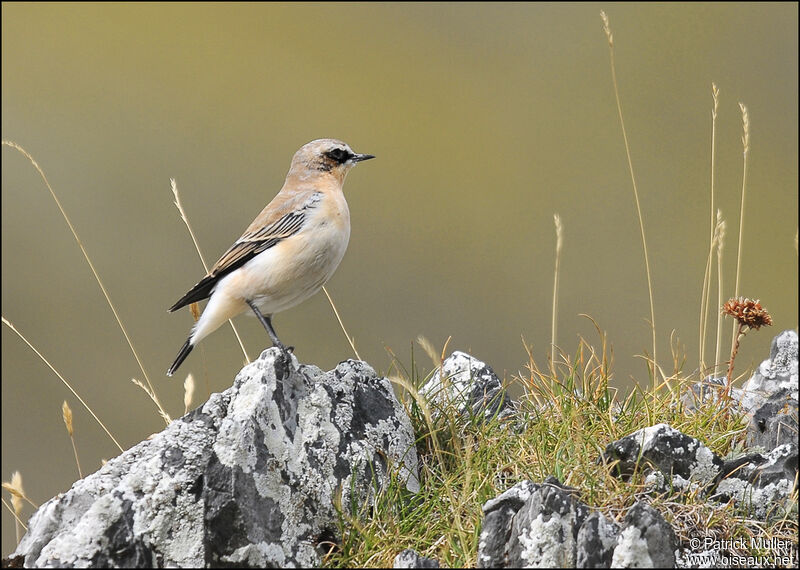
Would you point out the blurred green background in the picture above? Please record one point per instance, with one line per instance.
(486, 120)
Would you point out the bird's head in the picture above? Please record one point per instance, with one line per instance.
(325, 156)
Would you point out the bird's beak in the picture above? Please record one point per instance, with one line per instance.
(360, 157)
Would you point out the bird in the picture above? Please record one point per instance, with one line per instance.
(287, 253)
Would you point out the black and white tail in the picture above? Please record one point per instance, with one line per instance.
(182, 354)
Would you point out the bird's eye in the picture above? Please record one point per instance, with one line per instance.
(340, 155)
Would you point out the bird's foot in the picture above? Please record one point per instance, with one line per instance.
(283, 348)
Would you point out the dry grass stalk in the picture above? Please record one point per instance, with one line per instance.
(67, 384)
(745, 151)
(17, 492)
(610, 37)
(66, 413)
(349, 338)
(16, 500)
(556, 272)
(17, 521)
(437, 359)
(706, 295)
(427, 346)
(91, 266)
(164, 415)
(720, 239)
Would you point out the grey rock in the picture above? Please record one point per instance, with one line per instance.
(770, 396)
(411, 559)
(763, 486)
(779, 464)
(249, 479)
(597, 539)
(681, 458)
(646, 540)
(531, 525)
(545, 526)
(774, 422)
(471, 385)
(779, 371)
(545, 529)
(498, 515)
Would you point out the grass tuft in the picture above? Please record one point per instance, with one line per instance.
(563, 424)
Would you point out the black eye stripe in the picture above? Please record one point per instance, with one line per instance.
(340, 155)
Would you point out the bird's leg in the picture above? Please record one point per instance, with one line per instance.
(267, 323)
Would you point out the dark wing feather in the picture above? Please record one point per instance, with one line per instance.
(245, 249)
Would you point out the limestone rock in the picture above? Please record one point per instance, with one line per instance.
(498, 518)
(779, 371)
(646, 540)
(531, 525)
(771, 395)
(534, 525)
(763, 487)
(597, 539)
(774, 422)
(761, 484)
(681, 458)
(471, 384)
(249, 479)
(411, 559)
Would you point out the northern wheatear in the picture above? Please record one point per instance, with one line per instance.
(289, 251)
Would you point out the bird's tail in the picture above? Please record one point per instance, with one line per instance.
(197, 293)
(182, 354)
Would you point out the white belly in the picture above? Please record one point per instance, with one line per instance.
(297, 267)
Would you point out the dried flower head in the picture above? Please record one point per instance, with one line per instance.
(188, 393)
(607, 28)
(16, 490)
(745, 128)
(747, 312)
(66, 412)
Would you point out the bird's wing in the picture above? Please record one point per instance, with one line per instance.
(282, 218)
